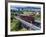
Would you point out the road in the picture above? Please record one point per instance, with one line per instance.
(28, 25)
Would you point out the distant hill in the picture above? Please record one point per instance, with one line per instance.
(32, 9)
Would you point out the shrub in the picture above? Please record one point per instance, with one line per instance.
(16, 25)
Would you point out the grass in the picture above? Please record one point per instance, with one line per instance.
(16, 25)
(23, 29)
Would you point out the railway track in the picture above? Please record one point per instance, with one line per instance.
(28, 25)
